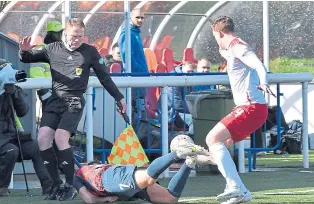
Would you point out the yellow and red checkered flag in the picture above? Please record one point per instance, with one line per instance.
(127, 149)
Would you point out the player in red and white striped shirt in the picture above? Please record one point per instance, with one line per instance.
(248, 80)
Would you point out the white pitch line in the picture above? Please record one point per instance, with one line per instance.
(195, 199)
(289, 192)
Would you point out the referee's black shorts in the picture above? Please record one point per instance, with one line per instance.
(63, 113)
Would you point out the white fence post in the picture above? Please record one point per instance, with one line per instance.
(305, 135)
(241, 163)
(90, 126)
(266, 33)
(164, 124)
(66, 11)
(127, 26)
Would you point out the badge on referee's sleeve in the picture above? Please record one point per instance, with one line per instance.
(101, 60)
(78, 71)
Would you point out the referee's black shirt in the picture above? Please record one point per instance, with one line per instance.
(70, 69)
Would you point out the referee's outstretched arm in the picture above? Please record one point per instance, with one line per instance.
(27, 55)
(100, 68)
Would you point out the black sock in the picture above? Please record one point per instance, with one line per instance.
(67, 161)
(50, 162)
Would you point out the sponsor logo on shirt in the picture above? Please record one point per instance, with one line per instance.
(64, 163)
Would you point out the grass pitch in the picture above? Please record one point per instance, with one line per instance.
(288, 184)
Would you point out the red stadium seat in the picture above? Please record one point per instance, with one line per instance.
(164, 43)
(151, 99)
(115, 67)
(102, 43)
(161, 68)
(168, 61)
(158, 54)
(188, 55)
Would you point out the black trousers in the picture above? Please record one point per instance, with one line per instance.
(10, 154)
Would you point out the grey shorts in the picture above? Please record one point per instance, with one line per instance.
(119, 181)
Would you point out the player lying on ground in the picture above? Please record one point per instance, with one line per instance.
(108, 183)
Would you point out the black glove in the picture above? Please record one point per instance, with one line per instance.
(9, 88)
(20, 76)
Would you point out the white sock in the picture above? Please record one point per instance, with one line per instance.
(226, 166)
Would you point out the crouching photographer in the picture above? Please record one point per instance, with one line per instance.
(12, 106)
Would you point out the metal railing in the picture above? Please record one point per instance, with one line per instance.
(171, 81)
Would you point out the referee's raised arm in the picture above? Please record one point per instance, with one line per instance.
(27, 55)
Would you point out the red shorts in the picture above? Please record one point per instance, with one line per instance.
(244, 120)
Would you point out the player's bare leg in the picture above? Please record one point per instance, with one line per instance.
(235, 188)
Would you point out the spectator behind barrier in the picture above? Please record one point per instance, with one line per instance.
(138, 65)
(203, 66)
(115, 57)
(177, 107)
(223, 68)
(138, 60)
(9, 124)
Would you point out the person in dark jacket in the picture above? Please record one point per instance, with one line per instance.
(9, 149)
(70, 63)
(177, 107)
(115, 57)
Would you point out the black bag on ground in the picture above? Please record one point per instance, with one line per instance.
(291, 140)
(293, 137)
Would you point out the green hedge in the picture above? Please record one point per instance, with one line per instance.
(286, 65)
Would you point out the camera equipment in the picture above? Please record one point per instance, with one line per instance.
(9, 75)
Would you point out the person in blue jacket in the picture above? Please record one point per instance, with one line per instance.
(138, 62)
(203, 66)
